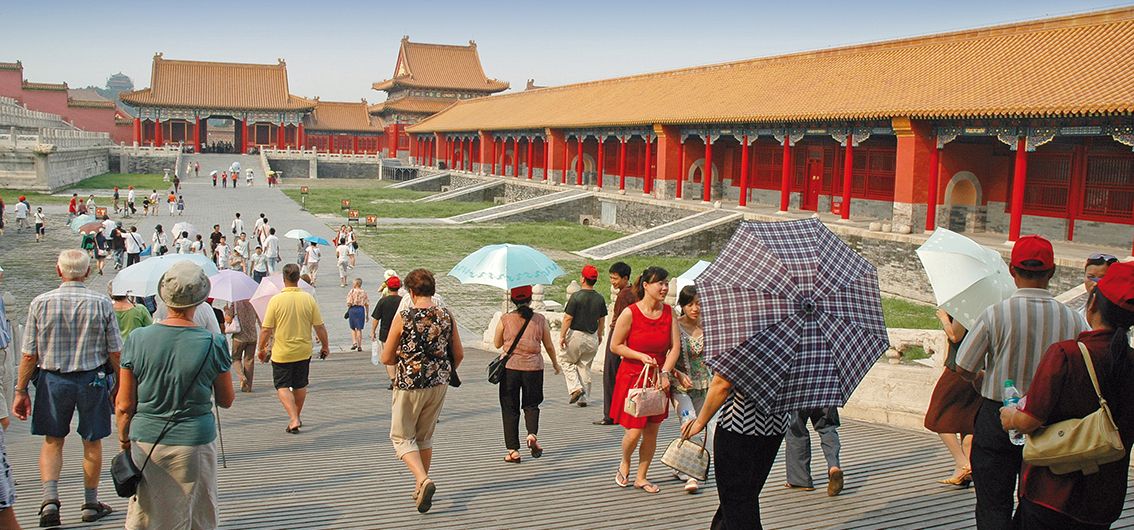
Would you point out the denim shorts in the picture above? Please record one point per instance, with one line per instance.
(59, 395)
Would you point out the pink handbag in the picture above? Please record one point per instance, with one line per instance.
(646, 398)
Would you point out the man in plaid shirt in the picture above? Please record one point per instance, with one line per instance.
(71, 345)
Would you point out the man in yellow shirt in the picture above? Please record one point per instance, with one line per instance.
(290, 317)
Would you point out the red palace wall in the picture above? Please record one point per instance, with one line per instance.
(11, 84)
(987, 158)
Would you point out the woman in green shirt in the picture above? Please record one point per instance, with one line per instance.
(130, 315)
(170, 373)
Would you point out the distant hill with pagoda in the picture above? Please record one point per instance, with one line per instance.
(427, 79)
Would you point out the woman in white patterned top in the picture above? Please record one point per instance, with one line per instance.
(746, 441)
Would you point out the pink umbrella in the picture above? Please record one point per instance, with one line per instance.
(269, 287)
(231, 286)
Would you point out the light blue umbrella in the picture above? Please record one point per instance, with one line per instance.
(142, 278)
(507, 266)
(317, 240)
(81, 220)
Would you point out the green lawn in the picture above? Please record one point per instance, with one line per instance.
(35, 198)
(904, 314)
(108, 181)
(382, 201)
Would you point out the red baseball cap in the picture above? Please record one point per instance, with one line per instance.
(1033, 253)
(590, 272)
(522, 292)
(1118, 285)
(393, 283)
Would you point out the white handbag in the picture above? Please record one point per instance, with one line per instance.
(688, 457)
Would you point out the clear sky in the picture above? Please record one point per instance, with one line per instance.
(336, 49)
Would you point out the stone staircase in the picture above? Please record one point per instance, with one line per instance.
(463, 190)
(422, 178)
(513, 208)
(660, 235)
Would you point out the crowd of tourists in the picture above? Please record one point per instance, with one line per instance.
(168, 365)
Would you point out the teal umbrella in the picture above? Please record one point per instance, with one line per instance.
(507, 266)
(81, 220)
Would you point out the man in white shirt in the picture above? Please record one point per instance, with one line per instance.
(22, 210)
(237, 225)
(134, 246)
(220, 254)
(258, 264)
(342, 259)
(130, 197)
(311, 261)
(272, 249)
(256, 227)
(108, 227)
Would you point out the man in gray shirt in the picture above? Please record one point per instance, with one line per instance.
(1007, 342)
(579, 339)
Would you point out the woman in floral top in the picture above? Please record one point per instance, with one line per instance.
(418, 346)
(688, 401)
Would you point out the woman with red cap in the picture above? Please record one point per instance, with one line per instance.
(521, 388)
(1062, 389)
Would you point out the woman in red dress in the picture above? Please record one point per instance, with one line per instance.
(646, 333)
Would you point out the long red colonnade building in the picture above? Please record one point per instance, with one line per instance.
(1018, 128)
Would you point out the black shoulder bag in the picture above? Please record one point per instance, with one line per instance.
(497, 366)
(454, 379)
(123, 471)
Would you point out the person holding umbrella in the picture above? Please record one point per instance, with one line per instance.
(171, 372)
(646, 336)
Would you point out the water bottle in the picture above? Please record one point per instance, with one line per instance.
(1012, 399)
(687, 416)
(374, 350)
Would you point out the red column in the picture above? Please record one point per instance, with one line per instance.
(449, 153)
(680, 168)
(197, 136)
(785, 178)
(934, 182)
(281, 136)
(138, 131)
(354, 144)
(515, 157)
(300, 139)
(530, 148)
(621, 163)
(244, 136)
(157, 134)
(848, 178)
(563, 179)
(493, 170)
(648, 182)
(601, 161)
(578, 161)
(546, 158)
(1019, 178)
(707, 171)
(744, 171)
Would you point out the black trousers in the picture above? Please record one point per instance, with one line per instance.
(1032, 516)
(609, 371)
(741, 464)
(520, 390)
(132, 259)
(996, 467)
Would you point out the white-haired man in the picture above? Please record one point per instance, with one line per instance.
(72, 339)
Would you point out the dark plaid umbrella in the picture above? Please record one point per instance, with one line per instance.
(792, 315)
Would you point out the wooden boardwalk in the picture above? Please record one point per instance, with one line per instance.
(340, 473)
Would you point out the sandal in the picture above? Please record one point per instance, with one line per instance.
(648, 488)
(533, 444)
(512, 459)
(49, 519)
(100, 509)
(620, 478)
(425, 498)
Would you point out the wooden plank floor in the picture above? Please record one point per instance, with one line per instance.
(340, 473)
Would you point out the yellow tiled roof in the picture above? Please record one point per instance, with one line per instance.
(412, 104)
(202, 84)
(29, 85)
(341, 116)
(422, 65)
(1068, 66)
